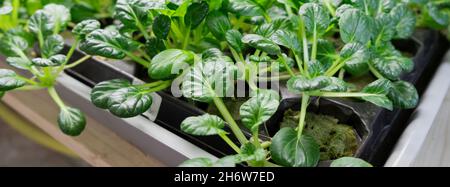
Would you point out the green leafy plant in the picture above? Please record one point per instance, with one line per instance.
(212, 45)
(43, 28)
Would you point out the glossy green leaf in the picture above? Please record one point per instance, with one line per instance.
(316, 68)
(13, 46)
(215, 54)
(219, 24)
(108, 43)
(129, 102)
(355, 57)
(381, 88)
(350, 162)
(161, 26)
(290, 151)
(393, 67)
(9, 80)
(71, 121)
(259, 109)
(248, 8)
(60, 14)
(384, 28)
(41, 22)
(56, 60)
(300, 84)
(195, 14)
(405, 21)
(204, 125)
(288, 40)
(336, 85)
(209, 79)
(371, 7)
(19, 62)
(234, 39)
(434, 17)
(164, 65)
(101, 93)
(355, 26)
(261, 43)
(154, 46)
(256, 157)
(403, 95)
(53, 44)
(134, 13)
(268, 29)
(85, 27)
(326, 53)
(229, 161)
(315, 17)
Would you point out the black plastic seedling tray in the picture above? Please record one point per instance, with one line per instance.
(378, 129)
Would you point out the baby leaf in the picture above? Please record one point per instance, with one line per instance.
(393, 67)
(208, 80)
(12, 46)
(404, 95)
(19, 62)
(435, 17)
(326, 53)
(163, 65)
(154, 46)
(301, 83)
(9, 80)
(405, 21)
(356, 57)
(384, 28)
(161, 26)
(129, 102)
(290, 151)
(218, 23)
(195, 14)
(255, 156)
(259, 109)
(336, 85)
(108, 43)
(41, 22)
(85, 27)
(261, 43)
(234, 39)
(134, 13)
(355, 26)
(316, 18)
(350, 162)
(60, 14)
(102, 92)
(71, 121)
(248, 8)
(229, 161)
(52, 61)
(381, 88)
(288, 40)
(204, 125)
(53, 44)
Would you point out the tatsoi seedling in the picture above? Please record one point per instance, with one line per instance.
(45, 26)
(211, 44)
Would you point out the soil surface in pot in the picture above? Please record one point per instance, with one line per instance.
(335, 140)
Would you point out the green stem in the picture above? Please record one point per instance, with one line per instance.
(342, 74)
(41, 43)
(375, 72)
(289, 10)
(275, 78)
(71, 51)
(162, 86)
(334, 69)
(78, 62)
(305, 45)
(29, 88)
(299, 63)
(301, 122)
(144, 54)
(138, 59)
(29, 81)
(255, 138)
(56, 98)
(229, 142)
(229, 119)
(15, 12)
(151, 85)
(186, 38)
(283, 60)
(314, 44)
(270, 164)
(266, 145)
(330, 8)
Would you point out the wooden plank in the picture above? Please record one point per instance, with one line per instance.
(98, 145)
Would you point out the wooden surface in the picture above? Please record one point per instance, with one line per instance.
(98, 145)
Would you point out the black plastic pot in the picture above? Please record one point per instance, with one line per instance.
(379, 129)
